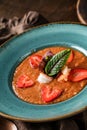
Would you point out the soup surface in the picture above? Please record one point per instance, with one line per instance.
(31, 84)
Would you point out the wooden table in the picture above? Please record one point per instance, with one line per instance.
(52, 10)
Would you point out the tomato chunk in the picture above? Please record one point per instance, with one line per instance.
(35, 61)
(50, 94)
(77, 74)
(70, 57)
(24, 81)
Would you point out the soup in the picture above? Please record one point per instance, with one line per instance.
(49, 76)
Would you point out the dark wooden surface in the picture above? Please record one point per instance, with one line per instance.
(53, 10)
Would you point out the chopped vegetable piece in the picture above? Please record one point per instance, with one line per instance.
(70, 57)
(46, 57)
(43, 78)
(24, 82)
(55, 64)
(65, 72)
(50, 94)
(77, 74)
(35, 60)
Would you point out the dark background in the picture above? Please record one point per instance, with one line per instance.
(52, 10)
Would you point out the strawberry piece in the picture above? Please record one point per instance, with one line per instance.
(50, 94)
(24, 81)
(70, 57)
(77, 74)
(35, 61)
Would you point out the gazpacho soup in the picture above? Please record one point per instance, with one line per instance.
(50, 75)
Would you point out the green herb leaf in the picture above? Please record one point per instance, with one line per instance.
(55, 64)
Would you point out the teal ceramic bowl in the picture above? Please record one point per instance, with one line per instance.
(14, 50)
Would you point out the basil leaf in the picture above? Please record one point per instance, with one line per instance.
(55, 64)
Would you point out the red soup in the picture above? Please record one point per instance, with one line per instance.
(50, 75)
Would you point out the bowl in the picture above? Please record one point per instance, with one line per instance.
(16, 49)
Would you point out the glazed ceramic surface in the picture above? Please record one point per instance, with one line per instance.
(16, 49)
(82, 11)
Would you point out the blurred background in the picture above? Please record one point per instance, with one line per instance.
(52, 10)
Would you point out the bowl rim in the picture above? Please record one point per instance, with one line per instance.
(42, 25)
(45, 119)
